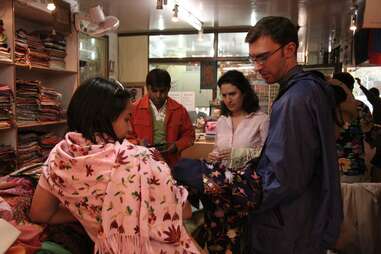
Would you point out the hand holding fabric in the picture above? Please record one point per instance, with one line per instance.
(224, 154)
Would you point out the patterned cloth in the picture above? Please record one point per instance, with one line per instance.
(350, 144)
(228, 195)
(125, 200)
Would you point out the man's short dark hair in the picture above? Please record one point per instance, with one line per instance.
(375, 91)
(95, 105)
(280, 29)
(346, 78)
(158, 78)
(250, 98)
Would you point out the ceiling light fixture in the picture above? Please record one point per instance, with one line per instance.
(175, 10)
(161, 23)
(253, 18)
(51, 6)
(353, 25)
(200, 36)
(159, 4)
(189, 17)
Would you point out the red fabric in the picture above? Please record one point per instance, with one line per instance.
(29, 240)
(179, 127)
(374, 53)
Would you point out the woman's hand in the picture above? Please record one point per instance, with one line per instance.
(213, 156)
(225, 154)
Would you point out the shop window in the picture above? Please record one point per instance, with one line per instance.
(181, 45)
(232, 45)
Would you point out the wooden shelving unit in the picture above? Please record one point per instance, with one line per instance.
(21, 15)
(43, 69)
(39, 124)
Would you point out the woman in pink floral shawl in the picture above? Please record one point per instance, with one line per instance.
(125, 199)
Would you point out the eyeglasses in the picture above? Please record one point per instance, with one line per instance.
(262, 58)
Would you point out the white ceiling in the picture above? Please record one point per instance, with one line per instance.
(317, 18)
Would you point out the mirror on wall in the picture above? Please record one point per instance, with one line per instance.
(93, 57)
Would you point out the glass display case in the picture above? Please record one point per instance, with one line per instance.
(93, 57)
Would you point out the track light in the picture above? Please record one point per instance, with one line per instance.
(51, 6)
(159, 4)
(175, 17)
(189, 17)
(353, 25)
(200, 35)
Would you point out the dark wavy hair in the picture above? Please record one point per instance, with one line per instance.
(95, 105)
(250, 99)
(346, 78)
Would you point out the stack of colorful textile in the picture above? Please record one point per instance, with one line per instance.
(38, 56)
(27, 100)
(29, 150)
(55, 45)
(15, 200)
(7, 159)
(47, 142)
(22, 50)
(50, 104)
(4, 48)
(5, 106)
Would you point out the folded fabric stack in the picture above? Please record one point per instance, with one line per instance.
(29, 150)
(7, 159)
(38, 56)
(15, 199)
(55, 46)
(22, 50)
(27, 100)
(50, 104)
(4, 49)
(5, 106)
(47, 142)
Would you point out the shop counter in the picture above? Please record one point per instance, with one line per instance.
(199, 150)
(361, 229)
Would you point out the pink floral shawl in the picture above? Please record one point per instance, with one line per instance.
(125, 199)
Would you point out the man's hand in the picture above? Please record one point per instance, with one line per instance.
(172, 148)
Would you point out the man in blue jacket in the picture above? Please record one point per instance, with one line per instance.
(301, 212)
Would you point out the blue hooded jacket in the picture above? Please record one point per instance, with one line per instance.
(301, 210)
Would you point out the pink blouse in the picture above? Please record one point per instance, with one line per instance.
(251, 132)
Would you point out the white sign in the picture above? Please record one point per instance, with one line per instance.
(187, 99)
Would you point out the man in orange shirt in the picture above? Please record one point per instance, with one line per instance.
(160, 121)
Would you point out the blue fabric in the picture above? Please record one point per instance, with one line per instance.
(189, 172)
(301, 210)
(376, 40)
